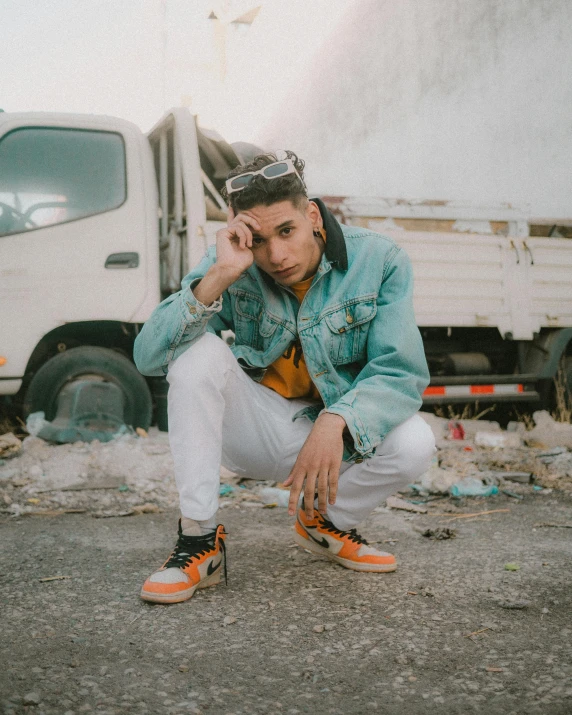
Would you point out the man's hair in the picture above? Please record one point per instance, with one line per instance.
(262, 191)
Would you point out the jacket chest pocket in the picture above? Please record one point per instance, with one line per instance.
(253, 327)
(348, 328)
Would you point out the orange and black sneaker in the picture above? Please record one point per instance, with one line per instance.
(347, 548)
(196, 562)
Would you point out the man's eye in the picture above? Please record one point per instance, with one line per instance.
(286, 231)
(257, 241)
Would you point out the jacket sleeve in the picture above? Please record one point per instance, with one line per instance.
(178, 321)
(388, 389)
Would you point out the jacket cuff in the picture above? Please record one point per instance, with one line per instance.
(362, 443)
(194, 310)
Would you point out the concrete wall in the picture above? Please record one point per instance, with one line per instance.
(465, 100)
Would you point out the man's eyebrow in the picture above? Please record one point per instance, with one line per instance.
(285, 224)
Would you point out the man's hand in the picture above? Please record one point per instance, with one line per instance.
(234, 242)
(319, 460)
(233, 257)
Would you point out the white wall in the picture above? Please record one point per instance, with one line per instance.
(465, 100)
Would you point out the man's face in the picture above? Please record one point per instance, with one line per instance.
(285, 247)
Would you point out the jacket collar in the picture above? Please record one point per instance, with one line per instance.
(336, 251)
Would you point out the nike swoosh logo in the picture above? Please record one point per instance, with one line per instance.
(323, 542)
(211, 568)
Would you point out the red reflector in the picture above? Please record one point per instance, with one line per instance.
(520, 388)
(482, 389)
(434, 391)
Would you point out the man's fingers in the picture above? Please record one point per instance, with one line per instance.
(310, 494)
(322, 491)
(243, 234)
(297, 480)
(333, 479)
(248, 220)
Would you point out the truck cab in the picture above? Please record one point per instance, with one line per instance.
(98, 222)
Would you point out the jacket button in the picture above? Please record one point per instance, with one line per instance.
(342, 330)
(359, 460)
(349, 318)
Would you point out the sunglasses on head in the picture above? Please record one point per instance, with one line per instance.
(271, 171)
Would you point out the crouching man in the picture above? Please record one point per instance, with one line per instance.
(320, 390)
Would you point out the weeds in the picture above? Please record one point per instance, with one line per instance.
(470, 411)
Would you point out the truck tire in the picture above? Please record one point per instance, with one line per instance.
(88, 362)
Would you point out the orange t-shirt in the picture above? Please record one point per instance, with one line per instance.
(288, 376)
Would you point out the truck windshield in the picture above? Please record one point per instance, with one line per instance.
(50, 176)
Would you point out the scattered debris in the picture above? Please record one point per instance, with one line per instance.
(52, 578)
(10, 445)
(229, 620)
(451, 517)
(549, 433)
(275, 496)
(520, 477)
(439, 534)
(476, 633)
(554, 526)
(498, 439)
(319, 629)
(514, 495)
(494, 669)
(456, 430)
(472, 487)
(397, 503)
(511, 567)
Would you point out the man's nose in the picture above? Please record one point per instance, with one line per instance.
(276, 253)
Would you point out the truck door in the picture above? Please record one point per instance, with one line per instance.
(73, 228)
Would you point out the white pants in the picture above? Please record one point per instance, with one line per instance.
(219, 415)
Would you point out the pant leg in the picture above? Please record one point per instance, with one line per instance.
(218, 415)
(401, 458)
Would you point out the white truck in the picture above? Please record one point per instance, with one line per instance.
(99, 222)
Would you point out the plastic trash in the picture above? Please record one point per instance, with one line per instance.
(225, 490)
(456, 430)
(472, 487)
(273, 495)
(35, 422)
(498, 439)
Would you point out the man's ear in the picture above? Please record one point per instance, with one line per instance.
(313, 214)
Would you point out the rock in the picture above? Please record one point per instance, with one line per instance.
(228, 620)
(439, 534)
(319, 629)
(31, 699)
(549, 433)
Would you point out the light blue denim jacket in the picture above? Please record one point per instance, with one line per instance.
(356, 325)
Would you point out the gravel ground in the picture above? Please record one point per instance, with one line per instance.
(292, 633)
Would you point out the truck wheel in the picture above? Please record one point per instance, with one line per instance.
(91, 363)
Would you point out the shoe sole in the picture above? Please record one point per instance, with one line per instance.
(212, 580)
(346, 563)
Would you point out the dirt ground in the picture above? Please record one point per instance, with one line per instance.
(452, 631)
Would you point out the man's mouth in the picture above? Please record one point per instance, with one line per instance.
(284, 272)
